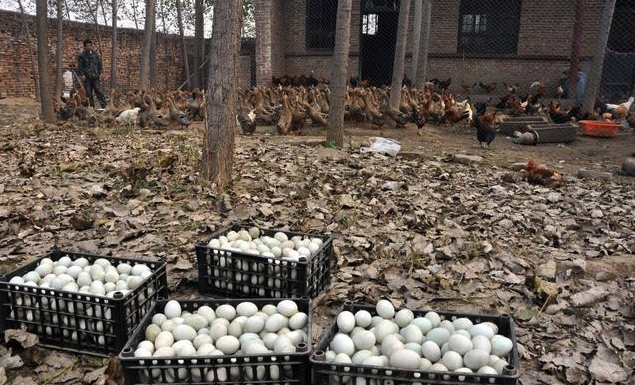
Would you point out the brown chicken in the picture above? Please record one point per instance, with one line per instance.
(631, 121)
(542, 175)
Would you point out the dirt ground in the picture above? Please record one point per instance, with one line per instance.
(413, 229)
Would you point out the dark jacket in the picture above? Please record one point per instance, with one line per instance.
(90, 64)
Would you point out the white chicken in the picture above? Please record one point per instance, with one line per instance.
(627, 104)
(129, 116)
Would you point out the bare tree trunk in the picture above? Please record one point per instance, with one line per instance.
(58, 50)
(400, 55)
(218, 145)
(134, 16)
(416, 38)
(339, 74)
(114, 48)
(424, 44)
(147, 42)
(576, 48)
(103, 11)
(27, 35)
(153, 54)
(42, 62)
(262, 15)
(68, 15)
(595, 77)
(199, 42)
(94, 15)
(186, 64)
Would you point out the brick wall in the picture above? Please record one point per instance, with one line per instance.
(16, 78)
(545, 40)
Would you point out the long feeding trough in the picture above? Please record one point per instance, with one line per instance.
(521, 124)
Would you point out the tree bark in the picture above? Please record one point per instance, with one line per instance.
(46, 99)
(114, 47)
(263, 42)
(416, 38)
(147, 42)
(576, 48)
(186, 64)
(199, 42)
(58, 50)
(95, 14)
(339, 74)
(424, 44)
(27, 35)
(153, 54)
(595, 77)
(400, 55)
(218, 145)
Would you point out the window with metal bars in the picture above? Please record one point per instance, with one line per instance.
(489, 26)
(320, 24)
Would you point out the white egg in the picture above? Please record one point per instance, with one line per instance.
(269, 339)
(373, 361)
(254, 324)
(297, 336)
(463, 333)
(414, 347)
(360, 356)
(121, 285)
(424, 364)
(276, 251)
(254, 232)
(235, 329)
(44, 269)
(313, 247)
(246, 309)
(165, 351)
(487, 370)
(276, 322)
(501, 345)
(158, 319)
(81, 262)
(218, 330)
(163, 339)
(404, 317)
(111, 276)
(172, 309)
(304, 252)
(103, 262)
(214, 243)
(226, 311)
(438, 335)
(385, 328)
(342, 343)
(363, 318)
(142, 352)
(447, 325)
(184, 332)
(97, 288)
(147, 345)
(32, 276)
(438, 367)
(481, 330)
(499, 365)
(405, 359)
(346, 321)
(298, 321)
(475, 359)
(462, 324)
(228, 344)
(281, 237)
(207, 312)
(138, 269)
(152, 331)
(110, 287)
(385, 309)
(59, 270)
(452, 360)
(431, 351)
(196, 321)
(391, 344)
(364, 340)
(64, 261)
(287, 308)
(97, 272)
(232, 236)
(460, 344)
(482, 343)
(84, 279)
(492, 325)
(412, 333)
(133, 282)
(71, 286)
(434, 318)
(205, 350)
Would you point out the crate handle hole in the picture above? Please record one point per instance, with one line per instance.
(509, 370)
(127, 352)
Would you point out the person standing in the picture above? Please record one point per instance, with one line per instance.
(90, 69)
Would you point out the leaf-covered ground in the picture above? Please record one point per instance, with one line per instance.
(421, 230)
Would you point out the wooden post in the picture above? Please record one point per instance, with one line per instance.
(576, 47)
(424, 44)
(416, 38)
(595, 77)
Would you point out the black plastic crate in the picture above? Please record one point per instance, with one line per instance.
(79, 322)
(228, 369)
(324, 373)
(233, 274)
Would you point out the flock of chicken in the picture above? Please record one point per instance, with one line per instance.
(146, 109)
(290, 107)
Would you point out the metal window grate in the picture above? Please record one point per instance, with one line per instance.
(320, 24)
(489, 26)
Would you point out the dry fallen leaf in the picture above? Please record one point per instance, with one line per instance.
(25, 339)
